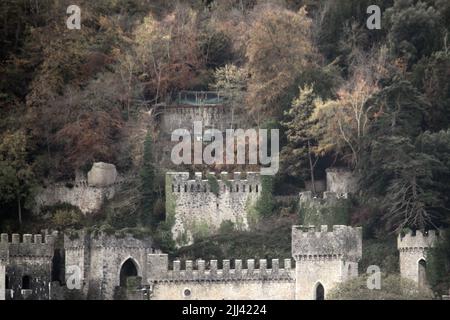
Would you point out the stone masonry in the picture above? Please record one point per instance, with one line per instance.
(195, 207)
(100, 258)
(324, 257)
(27, 266)
(413, 249)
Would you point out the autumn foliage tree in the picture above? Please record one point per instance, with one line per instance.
(279, 48)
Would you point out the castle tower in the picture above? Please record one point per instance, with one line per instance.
(413, 254)
(105, 262)
(324, 258)
(200, 205)
(27, 266)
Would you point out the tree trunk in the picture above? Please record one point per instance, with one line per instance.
(311, 168)
(19, 209)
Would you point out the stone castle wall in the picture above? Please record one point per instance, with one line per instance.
(87, 194)
(413, 248)
(28, 257)
(87, 199)
(341, 181)
(201, 281)
(183, 117)
(324, 257)
(196, 208)
(174, 117)
(100, 258)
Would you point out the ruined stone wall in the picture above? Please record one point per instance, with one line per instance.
(183, 117)
(170, 118)
(100, 258)
(341, 181)
(31, 257)
(204, 281)
(413, 248)
(327, 210)
(87, 194)
(87, 199)
(196, 208)
(324, 257)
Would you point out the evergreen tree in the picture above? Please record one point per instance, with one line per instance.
(297, 157)
(16, 175)
(148, 173)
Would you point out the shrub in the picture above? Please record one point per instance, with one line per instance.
(393, 287)
(67, 218)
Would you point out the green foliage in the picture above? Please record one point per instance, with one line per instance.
(226, 227)
(393, 287)
(67, 219)
(213, 185)
(438, 265)
(270, 239)
(265, 204)
(415, 29)
(430, 76)
(16, 175)
(297, 156)
(382, 252)
(314, 214)
(200, 230)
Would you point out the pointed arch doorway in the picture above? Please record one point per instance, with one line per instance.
(129, 269)
(319, 293)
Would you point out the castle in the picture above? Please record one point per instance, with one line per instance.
(202, 205)
(98, 265)
(110, 265)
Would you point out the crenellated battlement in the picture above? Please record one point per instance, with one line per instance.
(28, 245)
(318, 243)
(202, 203)
(182, 182)
(417, 240)
(203, 270)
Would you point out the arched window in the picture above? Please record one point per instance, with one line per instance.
(26, 283)
(320, 292)
(128, 270)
